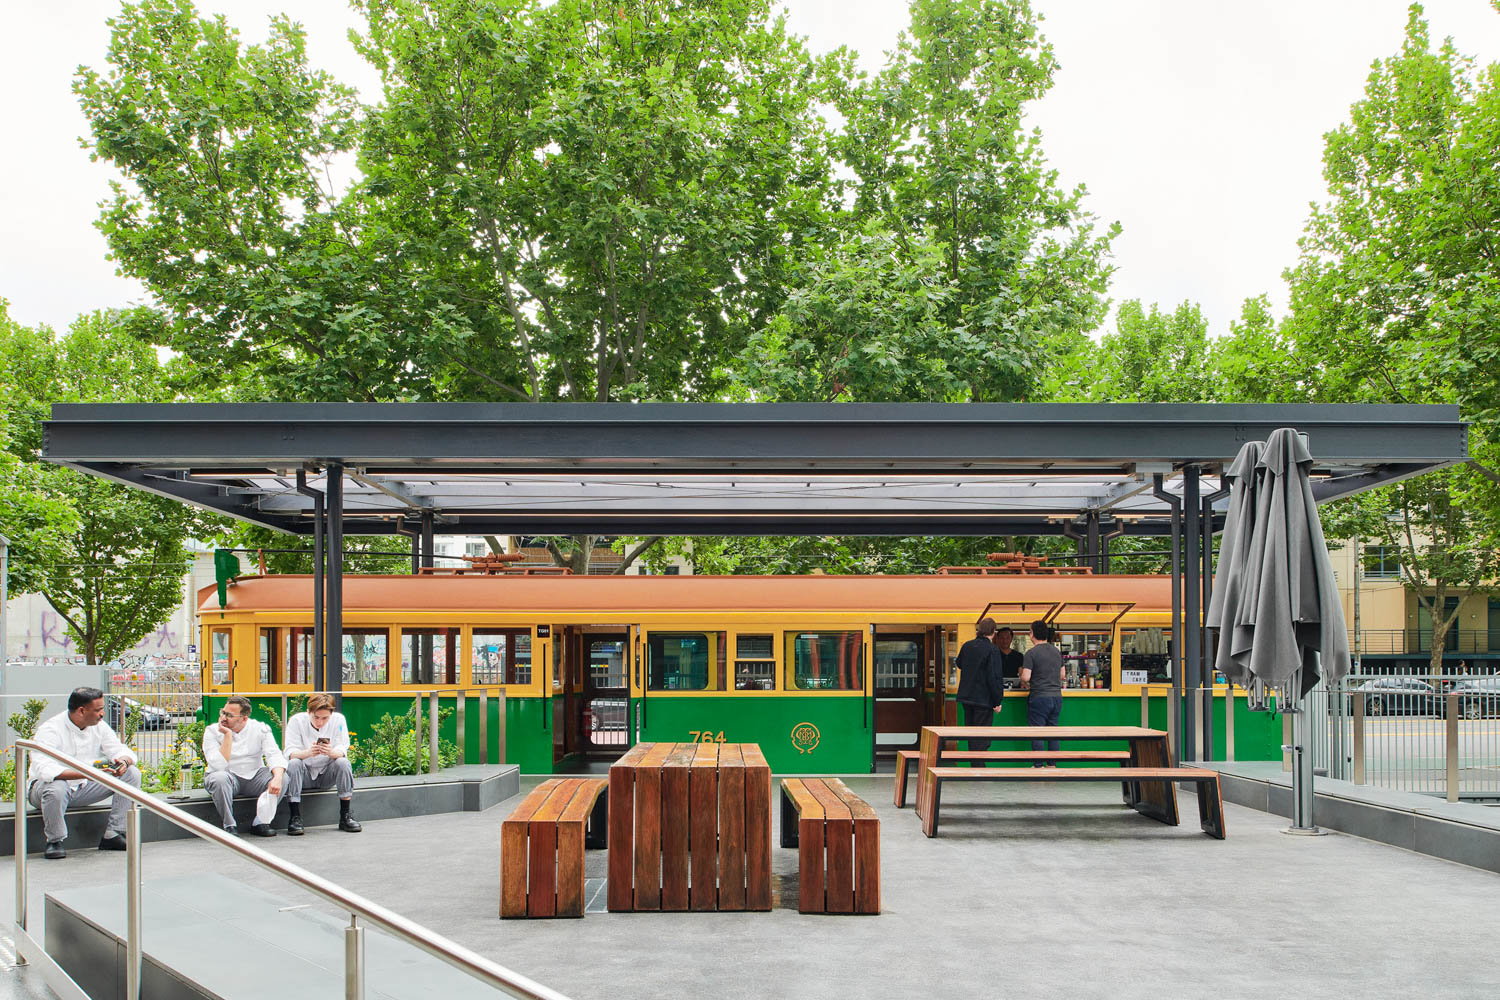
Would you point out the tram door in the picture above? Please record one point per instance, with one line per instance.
(941, 677)
(596, 693)
(901, 658)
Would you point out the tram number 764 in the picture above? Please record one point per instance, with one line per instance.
(706, 736)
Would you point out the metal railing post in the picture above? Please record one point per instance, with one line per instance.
(1358, 699)
(458, 722)
(354, 960)
(1286, 739)
(283, 718)
(133, 903)
(1229, 704)
(500, 757)
(1451, 700)
(1145, 708)
(484, 725)
(22, 788)
(1205, 731)
(432, 732)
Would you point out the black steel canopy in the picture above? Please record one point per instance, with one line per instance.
(753, 468)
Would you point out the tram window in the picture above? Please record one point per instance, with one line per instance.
(897, 662)
(366, 651)
(825, 661)
(219, 655)
(1148, 649)
(754, 647)
(754, 675)
(297, 654)
(501, 656)
(270, 668)
(429, 656)
(1085, 658)
(685, 661)
(607, 663)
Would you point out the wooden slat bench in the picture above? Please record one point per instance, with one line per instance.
(837, 835)
(1158, 807)
(541, 847)
(906, 760)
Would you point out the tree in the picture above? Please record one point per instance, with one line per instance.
(944, 165)
(1396, 295)
(109, 559)
(581, 200)
(1152, 357)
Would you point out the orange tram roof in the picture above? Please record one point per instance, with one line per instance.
(858, 594)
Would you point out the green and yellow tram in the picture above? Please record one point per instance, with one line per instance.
(826, 673)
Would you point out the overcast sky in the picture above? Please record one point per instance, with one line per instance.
(1197, 125)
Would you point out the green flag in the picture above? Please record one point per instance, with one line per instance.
(226, 568)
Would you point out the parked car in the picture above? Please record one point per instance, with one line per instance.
(151, 716)
(1479, 697)
(1399, 696)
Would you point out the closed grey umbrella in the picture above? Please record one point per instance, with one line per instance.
(1235, 641)
(1289, 599)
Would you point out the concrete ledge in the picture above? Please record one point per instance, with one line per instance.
(292, 952)
(1460, 832)
(465, 788)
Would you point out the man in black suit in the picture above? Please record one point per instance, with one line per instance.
(981, 682)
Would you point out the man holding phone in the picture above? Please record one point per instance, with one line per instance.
(317, 750)
(82, 733)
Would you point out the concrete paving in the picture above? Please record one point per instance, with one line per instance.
(1048, 890)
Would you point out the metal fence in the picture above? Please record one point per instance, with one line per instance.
(1409, 733)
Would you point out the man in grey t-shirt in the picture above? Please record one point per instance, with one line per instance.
(1042, 675)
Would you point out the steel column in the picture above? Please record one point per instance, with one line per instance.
(1205, 637)
(333, 680)
(1175, 699)
(354, 960)
(1192, 612)
(319, 516)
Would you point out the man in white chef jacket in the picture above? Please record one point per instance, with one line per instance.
(317, 753)
(82, 733)
(243, 759)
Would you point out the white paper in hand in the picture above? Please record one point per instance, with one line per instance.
(265, 807)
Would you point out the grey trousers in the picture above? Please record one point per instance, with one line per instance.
(55, 798)
(335, 774)
(224, 786)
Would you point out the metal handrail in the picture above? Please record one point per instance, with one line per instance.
(455, 955)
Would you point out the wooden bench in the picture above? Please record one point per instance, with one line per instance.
(906, 759)
(837, 836)
(1161, 807)
(541, 847)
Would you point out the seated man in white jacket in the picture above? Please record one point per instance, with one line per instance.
(317, 750)
(80, 732)
(243, 759)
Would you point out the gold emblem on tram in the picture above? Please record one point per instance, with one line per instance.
(805, 737)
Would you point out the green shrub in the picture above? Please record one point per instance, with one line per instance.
(23, 724)
(393, 746)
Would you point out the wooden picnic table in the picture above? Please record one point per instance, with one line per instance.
(1148, 749)
(690, 828)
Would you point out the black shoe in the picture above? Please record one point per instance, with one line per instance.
(294, 826)
(233, 831)
(113, 842)
(262, 830)
(349, 824)
(55, 850)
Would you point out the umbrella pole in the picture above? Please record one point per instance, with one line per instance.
(1302, 768)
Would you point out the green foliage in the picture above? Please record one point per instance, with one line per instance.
(394, 746)
(109, 559)
(23, 724)
(166, 774)
(1151, 357)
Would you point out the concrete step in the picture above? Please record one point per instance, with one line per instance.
(214, 937)
(464, 788)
